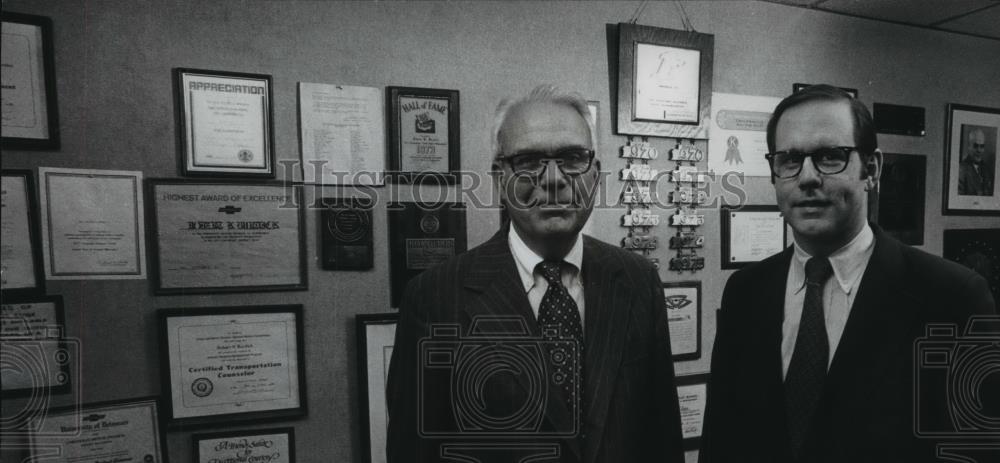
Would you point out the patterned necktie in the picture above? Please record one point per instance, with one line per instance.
(559, 317)
(807, 370)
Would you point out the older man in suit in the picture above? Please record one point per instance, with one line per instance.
(814, 357)
(541, 343)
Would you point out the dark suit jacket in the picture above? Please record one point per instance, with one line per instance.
(971, 182)
(866, 413)
(630, 401)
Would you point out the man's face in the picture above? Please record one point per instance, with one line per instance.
(552, 206)
(825, 211)
(976, 146)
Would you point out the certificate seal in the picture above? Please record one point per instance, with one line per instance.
(430, 223)
(202, 387)
(245, 155)
(348, 225)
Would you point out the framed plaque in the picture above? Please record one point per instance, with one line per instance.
(227, 364)
(684, 317)
(692, 392)
(970, 161)
(901, 187)
(750, 233)
(420, 237)
(38, 360)
(259, 445)
(20, 246)
(376, 335)
(125, 430)
(30, 112)
(664, 82)
(225, 123)
(978, 249)
(346, 231)
(424, 143)
(217, 236)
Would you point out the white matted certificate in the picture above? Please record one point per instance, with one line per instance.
(343, 134)
(666, 83)
(92, 222)
(750, 234)
(257, 446)
(738, 140)
(123, 431)
(683, 301)
(692, 393)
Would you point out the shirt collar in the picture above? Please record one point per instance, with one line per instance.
(526, 259)
(848, 262)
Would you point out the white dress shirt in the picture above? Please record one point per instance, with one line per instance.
(849, 264)
(535, 284)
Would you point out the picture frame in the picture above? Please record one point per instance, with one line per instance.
(23, 266)
(692, 393)
(31, 111)
(414, 117)
(978, 249)
(900, 204)
(129, 429)
(43, 362)
(664, 82)
(376, 335)
(276, 445)
(799, 86)
(346, 230)
(232, 364)
(226, 236)
(750, 233)
(225, 123)
(971, 132)
(683, 300)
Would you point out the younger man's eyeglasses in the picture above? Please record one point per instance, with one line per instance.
(827, 161)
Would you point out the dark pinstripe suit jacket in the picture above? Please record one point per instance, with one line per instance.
(630, 401)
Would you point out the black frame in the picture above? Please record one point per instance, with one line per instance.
(60, 314)
(799, 86)
(697, 287)
(693, 443)
(363, 321)
(49, 67)
(182, 126)
(725, 226)
(330, 208)
(254, 416)
(35, 237)
(394, 171)
(81, 408)
(197, 438)
(154, 245)
(946, 208)
(901, 197)
(981, 243)
(629, 35)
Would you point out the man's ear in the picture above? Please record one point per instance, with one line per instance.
(873, 169)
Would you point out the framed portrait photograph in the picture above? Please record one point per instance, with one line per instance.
(424, 141)
(376, 335)
(978, 249)
(23, 272)
(900, 206)
(692, 393)
(225, 123)
(664, 82)
(229, 364)
(970, 161)
(38, 360)
(30, 112)
(122, 430)
(275, 445)
(684, 318)
(750, 234)
(226, 236)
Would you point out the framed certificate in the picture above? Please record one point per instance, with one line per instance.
(970, 161)
(692, 393)
(41, 360)
(664, 82)
(342, 134)
(20, 245)
(225, 123)
(750, 233)
(424, 143)
(30, 114)
(684, 317)
(124, 430)
(376, 335)
(217, 236)
(259, 445)
(228, 364)
(420, 237)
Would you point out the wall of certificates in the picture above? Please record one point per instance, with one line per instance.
(210, 209)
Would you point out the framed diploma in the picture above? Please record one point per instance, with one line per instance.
(346, 230)
(217, 236)
(225, 123)
(684, 317)
(92, 222)
(21, 268)
(900, 205)
(376, 335)
(258, 445)
(692, 393)
(750, 233)
(424, 143)
(420, 237)
(30, 114)
(126, 430)
(664, 82)
(230, 364)
(342, 134)
(970, 161)
(41, 360)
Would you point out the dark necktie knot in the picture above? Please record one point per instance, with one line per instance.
(552, 271)
(818, 270)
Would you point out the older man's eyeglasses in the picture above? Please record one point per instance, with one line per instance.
(828, 161)
(571, 161)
